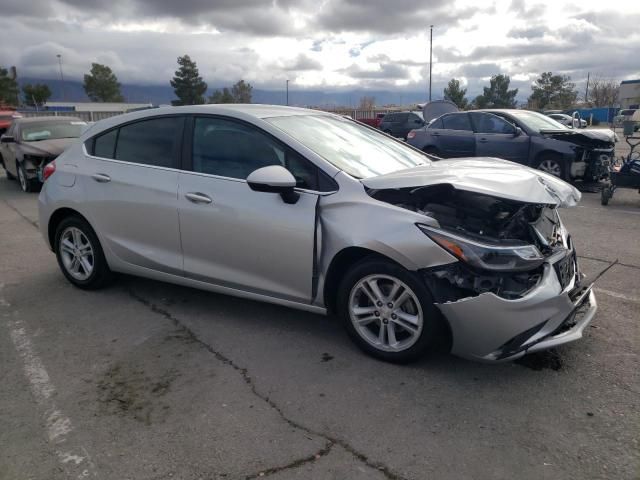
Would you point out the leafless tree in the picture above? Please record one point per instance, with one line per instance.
(367, 103)
(603, 92)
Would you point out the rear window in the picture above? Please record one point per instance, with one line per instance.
(149, 142)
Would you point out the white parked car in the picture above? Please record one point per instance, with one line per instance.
(567, 120)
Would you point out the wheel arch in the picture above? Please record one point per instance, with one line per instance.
(547, 153)
(340, 264)
(58, 216)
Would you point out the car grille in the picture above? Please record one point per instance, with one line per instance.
(566, 269)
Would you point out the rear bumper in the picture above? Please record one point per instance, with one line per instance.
(492, 329)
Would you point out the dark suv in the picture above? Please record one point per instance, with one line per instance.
(521, 136)
(399, 124)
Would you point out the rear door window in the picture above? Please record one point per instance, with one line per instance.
(150, 142)
(437, 124)
(105, 145)
(458, 121)
(487, 123)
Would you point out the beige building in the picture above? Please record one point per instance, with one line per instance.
(629, 94)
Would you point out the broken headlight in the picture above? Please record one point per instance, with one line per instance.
(486, 256)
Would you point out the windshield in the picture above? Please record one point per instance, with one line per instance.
(358, 150)
(537, 121)
(34, 132)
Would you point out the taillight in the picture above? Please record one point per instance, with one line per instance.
(49, 169)
(411, 134)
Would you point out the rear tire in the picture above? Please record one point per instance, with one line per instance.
(605, 195)
(80, 255)
(397, 326)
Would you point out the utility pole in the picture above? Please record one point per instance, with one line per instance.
(430, 57)
(586, 92)
(64, 97)
(287, 92)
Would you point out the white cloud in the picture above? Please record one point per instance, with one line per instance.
(326, 44)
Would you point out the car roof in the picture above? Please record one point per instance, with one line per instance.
(248, 112)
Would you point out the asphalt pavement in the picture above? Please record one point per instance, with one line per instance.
(145, 380)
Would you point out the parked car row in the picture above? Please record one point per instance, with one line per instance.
(29, 144)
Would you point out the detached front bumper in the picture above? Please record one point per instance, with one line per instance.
(490, 328)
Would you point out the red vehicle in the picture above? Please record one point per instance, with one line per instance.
(6, 117)
(374, 122)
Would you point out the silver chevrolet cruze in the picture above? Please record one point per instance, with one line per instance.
(318, 212)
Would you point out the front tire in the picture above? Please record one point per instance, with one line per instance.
(80, 254)
(26, 184)
(605, 195)
(388, 312)
(553, 165)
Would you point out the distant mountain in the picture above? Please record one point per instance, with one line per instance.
(72, 91)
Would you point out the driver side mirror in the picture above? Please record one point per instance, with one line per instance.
(274, 179)
(7, 139)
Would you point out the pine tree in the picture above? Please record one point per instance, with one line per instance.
(455, 94)
(101, 84)
(497, 94)
(188, 84)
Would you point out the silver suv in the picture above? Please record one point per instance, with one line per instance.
(314, 211)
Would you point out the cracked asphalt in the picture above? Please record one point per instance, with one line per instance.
(145, 380)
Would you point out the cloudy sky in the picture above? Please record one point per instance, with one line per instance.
(325, 44)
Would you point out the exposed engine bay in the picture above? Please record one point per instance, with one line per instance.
(594, 151)
(487, 219)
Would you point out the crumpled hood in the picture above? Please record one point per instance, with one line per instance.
(585, 137)
(48, 148)
(489, 176)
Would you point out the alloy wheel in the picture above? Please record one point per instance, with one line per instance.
(386, 313)
(22, 178)
(551, 166)
(77, 253)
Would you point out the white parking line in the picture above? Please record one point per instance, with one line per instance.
(75, 459)
(622, 296)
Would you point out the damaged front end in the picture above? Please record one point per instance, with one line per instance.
(594, 151)
(510, 288)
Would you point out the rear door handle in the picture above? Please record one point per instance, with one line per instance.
(435, 134)
(483, 140)
(101, 177)
(197, 197)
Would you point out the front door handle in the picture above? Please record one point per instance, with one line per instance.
(101, 177)
(483, 140)
(197, 197)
